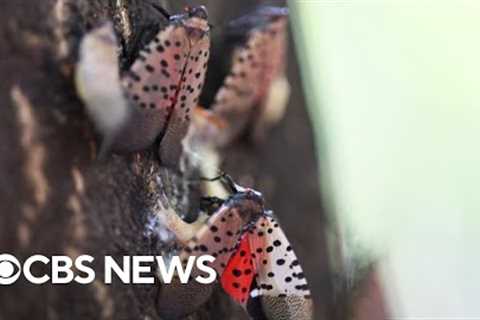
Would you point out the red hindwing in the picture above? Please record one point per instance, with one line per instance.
(238, 275)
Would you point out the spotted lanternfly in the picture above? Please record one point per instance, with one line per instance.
(164, 83)
(254, 259)
(255, 92)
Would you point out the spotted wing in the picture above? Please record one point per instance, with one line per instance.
(253, 69)
(152, 86)
(279, 273)
(219, 237)
(238, 276)
(191, 85)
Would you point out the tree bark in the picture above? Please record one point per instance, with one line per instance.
(57, 198)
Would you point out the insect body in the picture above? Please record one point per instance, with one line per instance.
(220, 235)
(254, 258)
(157, 94)
(164, 84)
(217, 237)
(255, 92)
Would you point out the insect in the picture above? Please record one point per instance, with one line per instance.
(256, 91)
(161, 88)
(254, 258)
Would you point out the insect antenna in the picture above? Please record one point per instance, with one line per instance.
(225, 179)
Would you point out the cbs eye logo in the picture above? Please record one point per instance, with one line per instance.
(9, 269)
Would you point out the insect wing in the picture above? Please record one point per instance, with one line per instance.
(219, 237)
(279, 273)
(152, 85)
(237, 277)
(191, 85)
(254, 67)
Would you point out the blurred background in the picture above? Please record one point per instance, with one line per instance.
(392, 89)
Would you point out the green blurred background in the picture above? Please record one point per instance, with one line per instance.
(393, 93)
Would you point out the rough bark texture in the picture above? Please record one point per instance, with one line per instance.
(56, 198)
